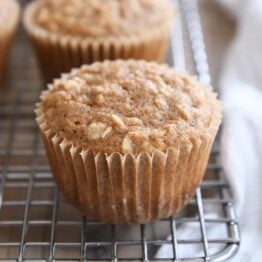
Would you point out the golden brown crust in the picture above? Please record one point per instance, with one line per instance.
(96, 18)
(129, 107)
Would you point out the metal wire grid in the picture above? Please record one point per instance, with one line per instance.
(36, 224)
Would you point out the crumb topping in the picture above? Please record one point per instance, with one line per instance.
(94, 18)
(129, 107)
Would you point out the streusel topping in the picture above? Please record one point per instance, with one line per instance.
(94, 18)
(129, 107)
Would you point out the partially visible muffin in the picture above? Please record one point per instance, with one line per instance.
(9, 16)
(128, 141)
(74, 32)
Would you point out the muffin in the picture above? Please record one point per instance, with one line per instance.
(9, 15)
(69, 33)
(128, 141)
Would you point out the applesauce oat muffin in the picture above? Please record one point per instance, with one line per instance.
(74, 32)
(9, 15)
(128, 141)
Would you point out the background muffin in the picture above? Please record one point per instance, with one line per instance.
(128, 141)
(9, 15)
(69, 33)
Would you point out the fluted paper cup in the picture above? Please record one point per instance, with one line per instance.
(124, 188)
(58, 54)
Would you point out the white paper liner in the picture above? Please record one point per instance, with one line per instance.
(124, 189)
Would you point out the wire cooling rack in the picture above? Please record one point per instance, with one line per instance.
(36, 224)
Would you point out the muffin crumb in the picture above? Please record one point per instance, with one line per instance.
(127, 146)
(117, 120)
(97, 130)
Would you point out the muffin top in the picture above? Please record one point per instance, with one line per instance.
(102, 18)
(129, 107)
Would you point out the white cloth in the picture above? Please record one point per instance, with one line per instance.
(241, 88)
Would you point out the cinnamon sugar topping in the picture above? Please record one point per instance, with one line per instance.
(129, 107)
(94, 18)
